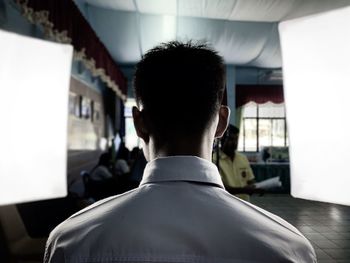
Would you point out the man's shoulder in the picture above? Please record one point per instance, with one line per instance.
(240, 157)
(283, 238)
(112, 222)
(89, 215)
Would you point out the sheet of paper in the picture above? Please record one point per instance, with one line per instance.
(269, 183)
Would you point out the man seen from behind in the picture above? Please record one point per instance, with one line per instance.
(181, 211)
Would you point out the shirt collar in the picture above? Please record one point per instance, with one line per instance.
(181, 168)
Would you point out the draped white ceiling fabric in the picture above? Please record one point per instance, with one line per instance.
(243, 31)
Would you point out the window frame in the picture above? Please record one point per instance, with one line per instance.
(257, 118)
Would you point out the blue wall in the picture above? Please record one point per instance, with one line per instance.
(128, 71)
(231, 91)
(11, 20)
(84, 75)
(255, 76)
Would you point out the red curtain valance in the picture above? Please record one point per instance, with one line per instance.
(63, 22)
(258, 94)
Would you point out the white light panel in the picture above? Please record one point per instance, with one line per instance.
(34, 85)
(316, 69)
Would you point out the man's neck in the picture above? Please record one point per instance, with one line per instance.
(185, 147)
(185, 150)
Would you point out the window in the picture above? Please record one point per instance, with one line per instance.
(96, 112)
(262, 125)
(74, 104)
(131, 139)
(85, 108)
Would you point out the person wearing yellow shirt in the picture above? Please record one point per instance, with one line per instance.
(234, 167)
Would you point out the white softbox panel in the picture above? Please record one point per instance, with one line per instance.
(34, 85)
(316, 67)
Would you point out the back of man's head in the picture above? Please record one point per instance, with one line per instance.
(180, 86)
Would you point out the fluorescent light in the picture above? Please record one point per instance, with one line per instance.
(34, 84)
(316, 71)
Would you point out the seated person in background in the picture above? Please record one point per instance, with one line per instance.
(101, 182)
(121, 166)
(102, 170)
(181, 211)
(234, 167)
(265, 155)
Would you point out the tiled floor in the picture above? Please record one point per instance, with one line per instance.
(327, 226)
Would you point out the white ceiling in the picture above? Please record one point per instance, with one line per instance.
(245, 32)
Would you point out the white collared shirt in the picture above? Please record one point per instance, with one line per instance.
(179, 213)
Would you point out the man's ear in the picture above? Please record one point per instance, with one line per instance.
(140, 124)
(224, 116)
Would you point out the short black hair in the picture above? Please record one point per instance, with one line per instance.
(231, 130)
(181, 86)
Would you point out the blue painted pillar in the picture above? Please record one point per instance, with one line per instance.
(231, 91)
